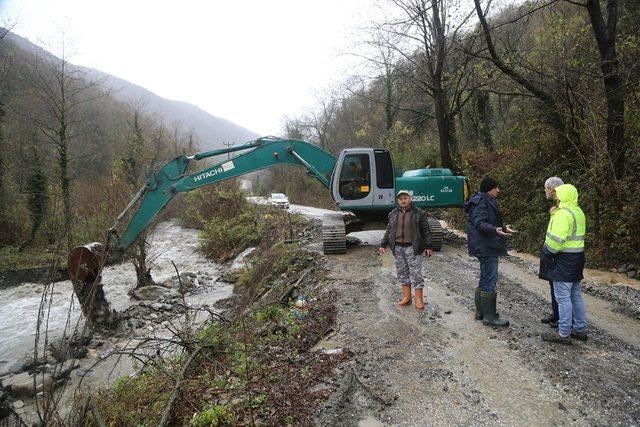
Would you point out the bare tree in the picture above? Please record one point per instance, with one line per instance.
(426, 36)
(551, 108)
(293, 128)
(3, 201)
(62, 87)
(317, 122)
(387, 65)
(605, 34)
(136, 165)
(176, 134)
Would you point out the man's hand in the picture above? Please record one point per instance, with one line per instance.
(511, 230)
(500, 232)
(381, 251)
(552, 208)
(428, 252)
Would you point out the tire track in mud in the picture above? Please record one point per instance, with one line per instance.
(442, 367)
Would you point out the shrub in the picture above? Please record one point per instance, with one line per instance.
(215, 416)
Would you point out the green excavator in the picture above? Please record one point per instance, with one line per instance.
(362, 181)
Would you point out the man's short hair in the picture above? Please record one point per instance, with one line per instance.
(553, 182)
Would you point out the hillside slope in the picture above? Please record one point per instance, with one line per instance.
(211, 131)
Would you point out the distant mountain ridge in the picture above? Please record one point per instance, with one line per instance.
(211, 131)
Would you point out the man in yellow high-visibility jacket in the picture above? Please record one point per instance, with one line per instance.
(562, 260)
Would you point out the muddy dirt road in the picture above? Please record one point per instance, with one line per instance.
(442, 367)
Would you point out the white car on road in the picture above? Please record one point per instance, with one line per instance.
(279, 200)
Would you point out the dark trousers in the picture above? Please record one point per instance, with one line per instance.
(488, 273)
(554, 303)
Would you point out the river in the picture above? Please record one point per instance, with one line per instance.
(169, 242)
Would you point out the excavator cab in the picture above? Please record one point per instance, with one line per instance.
(364, 179)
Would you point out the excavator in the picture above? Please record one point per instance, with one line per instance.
(362, 182)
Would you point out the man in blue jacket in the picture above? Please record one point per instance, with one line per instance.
(486, 235)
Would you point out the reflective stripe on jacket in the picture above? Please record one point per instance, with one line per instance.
(567, 225)
(562, 257)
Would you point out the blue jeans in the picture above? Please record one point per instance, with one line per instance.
(488, 273)
(571, 307)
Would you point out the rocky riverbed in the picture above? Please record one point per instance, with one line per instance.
(98, 357)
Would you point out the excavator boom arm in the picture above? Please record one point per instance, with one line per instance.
(171, 179)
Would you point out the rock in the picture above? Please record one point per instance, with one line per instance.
(74, 347)
(23, 364)
(631, 267)
(157, 306)
(352, 241)
(188, 278)
(62, 370)
(134, 323)
(93, 354)
(84, 372)
(169, 283)
(632, 274)
(151, 292)
(331, 351)
(238, 266)
(22, 385)
(622, 268)
(18, 404)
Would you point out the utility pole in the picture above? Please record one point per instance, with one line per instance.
(228, 144)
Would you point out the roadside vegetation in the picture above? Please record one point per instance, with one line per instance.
(230, 223)
(255, 366)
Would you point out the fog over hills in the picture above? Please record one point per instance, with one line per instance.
(211, 131)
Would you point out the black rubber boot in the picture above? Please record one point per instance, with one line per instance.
(490, 317)
(550, 318)
(478, 300)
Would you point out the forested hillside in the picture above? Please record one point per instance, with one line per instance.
(521, 93)
(75, 145)
(211, 131)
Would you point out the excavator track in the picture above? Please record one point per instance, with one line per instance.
(333, 234)
(437, 233)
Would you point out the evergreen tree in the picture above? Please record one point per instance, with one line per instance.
(37, 196)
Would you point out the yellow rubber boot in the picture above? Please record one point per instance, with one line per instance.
(406, 295)
(419, 301)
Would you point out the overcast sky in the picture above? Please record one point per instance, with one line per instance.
(251, 62)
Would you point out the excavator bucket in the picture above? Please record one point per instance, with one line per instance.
(84, 263)
(85, 266)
